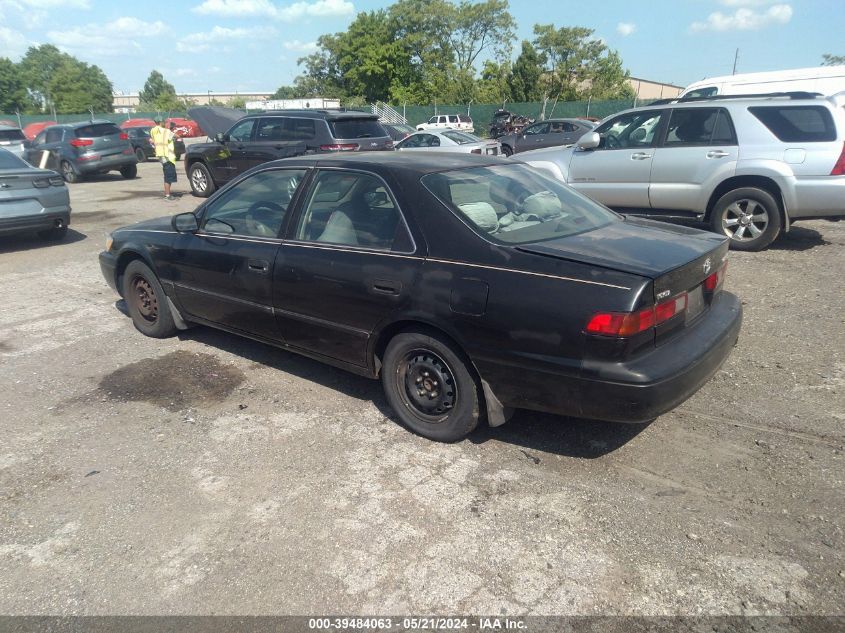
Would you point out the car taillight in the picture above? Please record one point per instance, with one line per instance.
(475, 151)
(839, 167)
(339, 147)
(389, 145)
(41, 183)
(81, 142)
(625, 324)
(715, 280)
(57, 181)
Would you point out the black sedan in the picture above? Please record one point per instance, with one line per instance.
(471, 285)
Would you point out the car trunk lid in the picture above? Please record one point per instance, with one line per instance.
(365, 132)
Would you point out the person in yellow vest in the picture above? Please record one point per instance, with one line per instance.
(166, 153)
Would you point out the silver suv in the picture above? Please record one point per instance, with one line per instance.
(747, 165)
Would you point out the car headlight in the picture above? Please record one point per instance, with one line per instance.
(109, 242)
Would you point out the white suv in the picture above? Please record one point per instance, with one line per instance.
(448, 121)
(748, 165)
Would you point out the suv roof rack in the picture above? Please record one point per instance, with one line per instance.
(765, 95)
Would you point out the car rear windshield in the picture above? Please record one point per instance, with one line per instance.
(357, 128)
(797, 124)
(11, 135)
(10, 161)
(515, 204)
(460, 139)
(97, 129)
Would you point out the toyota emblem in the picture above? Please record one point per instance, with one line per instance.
(707, 265)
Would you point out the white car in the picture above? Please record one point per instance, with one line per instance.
(449, 141)
(448, 121)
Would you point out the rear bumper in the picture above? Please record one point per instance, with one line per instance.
(50, 218)
(634, 391)
(109, 163)
(818, 197)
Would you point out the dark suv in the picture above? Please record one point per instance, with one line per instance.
(242, 142)
(80, 149)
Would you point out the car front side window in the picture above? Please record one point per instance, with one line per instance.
(256, 206)
(242, 131)
(633, 129)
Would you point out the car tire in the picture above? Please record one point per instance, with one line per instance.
(56, 234)
(68, 172)
(749, 216)
(129, 171)
(430, 386)
(140, 155)
(146, 301)
(201, 182)
(506, 150)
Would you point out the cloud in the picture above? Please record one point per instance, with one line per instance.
(300, 47)
(219, 38)
(266, 8)
(746, 3)
(117, 38)
(625, 28)
(33, 13)
(12, 43)
(745, 19)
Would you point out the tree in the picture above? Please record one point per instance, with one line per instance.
(38, 68)
(494, 84)
(833, 60)
(77, 87)
(13, 93)
(157, 90)
(525, 77)
(237, 102)
(285, 92)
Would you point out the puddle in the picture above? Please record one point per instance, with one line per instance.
(176, 381)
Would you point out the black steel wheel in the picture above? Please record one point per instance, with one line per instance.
(431, 386)
(146, 301)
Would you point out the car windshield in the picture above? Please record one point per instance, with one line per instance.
(514, 204)
(460, 138)
(11, 135)
(10, 161)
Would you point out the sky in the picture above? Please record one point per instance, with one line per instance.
(253, 45)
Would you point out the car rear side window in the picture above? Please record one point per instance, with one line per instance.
(699, 126)
(97, 129)
(285, 129)
(357, 128)
(797, 124)
(53, 136)
(353, 209)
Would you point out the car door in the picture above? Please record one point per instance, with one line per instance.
(412, 143)
(48, 140)
(350, 261)
(238, 145)
(699, 149)
(618, 171)
(532, 137)
(223, 273)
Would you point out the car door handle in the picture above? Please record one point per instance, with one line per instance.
(258, 266)
(386, 286)
(717, 153)
(640, 156)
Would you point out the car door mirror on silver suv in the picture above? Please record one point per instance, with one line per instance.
(590, 140)
(185, 223)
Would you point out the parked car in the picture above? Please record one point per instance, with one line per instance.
(449, 141)
(548, 133)
(144, 147)
(77, 150)
(748, 166)
(470, 284)
(32, 199)
(448, 121)
(825, 80)
(398, 131)
(505, 122)
(13, 140)
(242, 142)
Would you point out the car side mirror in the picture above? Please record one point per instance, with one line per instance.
(590, 140)
(221, 137)
(185, 223)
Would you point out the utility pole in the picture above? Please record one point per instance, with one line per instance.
(736, 57)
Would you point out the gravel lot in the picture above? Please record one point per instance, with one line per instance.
(210, 474)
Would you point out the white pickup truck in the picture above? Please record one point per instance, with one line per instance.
(448, 121)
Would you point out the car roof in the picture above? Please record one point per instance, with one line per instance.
(8, 127)
(318, 114)
(421, 163)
